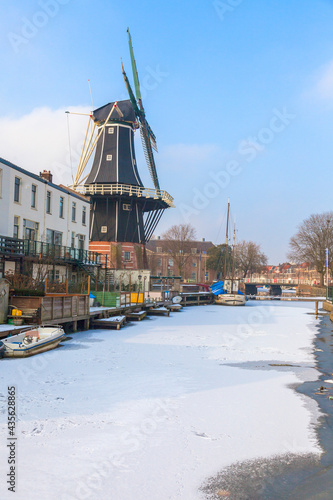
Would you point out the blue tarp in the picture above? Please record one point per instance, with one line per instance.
(217, 288)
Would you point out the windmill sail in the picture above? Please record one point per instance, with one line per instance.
(147, 136)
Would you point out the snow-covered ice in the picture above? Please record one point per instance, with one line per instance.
(152, 410)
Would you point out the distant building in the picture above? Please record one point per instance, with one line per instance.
(161, 262)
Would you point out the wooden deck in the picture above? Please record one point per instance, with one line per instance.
(111, 322)
(158, 311)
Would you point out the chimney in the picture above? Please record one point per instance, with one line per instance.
(46, 174)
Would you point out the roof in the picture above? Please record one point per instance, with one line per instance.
(201, 246)
(40, 179)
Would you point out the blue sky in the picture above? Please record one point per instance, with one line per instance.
(236, 90)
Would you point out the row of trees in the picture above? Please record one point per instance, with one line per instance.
(248, 256)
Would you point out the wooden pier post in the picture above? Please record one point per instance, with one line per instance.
(316, 307)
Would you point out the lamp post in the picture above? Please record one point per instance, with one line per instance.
(144, 287)
(139, 288)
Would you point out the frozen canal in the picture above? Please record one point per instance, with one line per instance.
(151, 411)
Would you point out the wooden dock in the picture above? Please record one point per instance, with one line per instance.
(135, 315)
(158, 311)
(110, 322)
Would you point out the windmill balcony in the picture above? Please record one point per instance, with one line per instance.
(125, 190)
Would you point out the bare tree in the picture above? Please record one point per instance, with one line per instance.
(178, 240)
(309, 244)
(249, 258)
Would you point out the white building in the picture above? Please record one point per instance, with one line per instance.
(33, 208)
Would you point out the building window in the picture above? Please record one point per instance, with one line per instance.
(17, 189)
(81, 238)
(73, 211)
(159, 249)
(33, 195)
(61, 207)
(127, 207)
(170, 262)
(16, 227)
(127, 256)
(194, 251)
(0, 183)
(30, 230)
(48, 202)
(159, 262)
(84, 216)
(73, 240)
(194, 264)
(53, 237)
(108, 157)
(111, 130)
(194, 276)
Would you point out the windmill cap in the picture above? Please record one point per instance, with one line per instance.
(101, 114)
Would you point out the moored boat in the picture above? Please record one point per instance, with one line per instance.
(230, 299)
(33, 341)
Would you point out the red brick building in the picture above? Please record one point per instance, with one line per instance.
(161, 262)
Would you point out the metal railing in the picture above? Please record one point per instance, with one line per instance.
(59, 252)
(11, 246)
(127, 190)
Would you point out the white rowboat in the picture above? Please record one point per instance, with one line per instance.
(33, 341)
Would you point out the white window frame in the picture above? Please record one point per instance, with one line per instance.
(108, 157)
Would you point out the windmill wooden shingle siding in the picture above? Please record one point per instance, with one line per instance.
(123, 210)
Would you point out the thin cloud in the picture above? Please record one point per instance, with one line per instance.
(323, 84)
(39, 140)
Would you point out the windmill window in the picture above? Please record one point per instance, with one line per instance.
(127, 207)
(111, 130)
(108, 157)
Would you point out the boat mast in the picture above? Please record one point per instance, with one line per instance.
(233, 259)
(226, 242)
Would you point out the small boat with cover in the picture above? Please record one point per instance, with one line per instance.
(32, 341)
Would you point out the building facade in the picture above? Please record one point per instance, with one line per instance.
(161, 262)
(37, 214)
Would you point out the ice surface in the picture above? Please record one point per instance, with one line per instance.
(153, 412)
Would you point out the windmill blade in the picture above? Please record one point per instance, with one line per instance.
(152, 137)
(130, 92)
(148, 152)
(134, 69)
(147, 136)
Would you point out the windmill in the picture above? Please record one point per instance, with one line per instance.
(123, 210)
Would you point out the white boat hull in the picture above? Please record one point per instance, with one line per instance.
(33, 341)
(229, 299)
